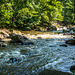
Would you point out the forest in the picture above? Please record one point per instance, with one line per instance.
(28, 14)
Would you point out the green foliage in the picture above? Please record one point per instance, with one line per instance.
(73, 72)
(6, 15)
(27, 18)
(69, 11)
(27, 14)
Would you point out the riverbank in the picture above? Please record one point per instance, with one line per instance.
(5, 34)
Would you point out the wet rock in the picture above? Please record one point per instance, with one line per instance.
(8, 37)
(53, 72)
(4, 34)
(64, 45)
(18, 38)
(25, 37)
(12, 41)
(24, 43)
(52, 46)
(3, 44)
(12, 60)
(39, 37)
(71, 42)
(27, 43)
(74, 37)
(72, 68)
(73, 34)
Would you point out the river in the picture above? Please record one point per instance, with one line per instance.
(44, 54)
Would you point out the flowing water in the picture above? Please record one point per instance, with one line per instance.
(44, 54)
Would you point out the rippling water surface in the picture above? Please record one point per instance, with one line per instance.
(44, 54)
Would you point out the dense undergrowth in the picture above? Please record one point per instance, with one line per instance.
(32, 14)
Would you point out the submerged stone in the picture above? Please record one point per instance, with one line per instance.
(14, 60)
(71, 42)
(53, 72)
(18, 38)
(64, 45)
(27, 43)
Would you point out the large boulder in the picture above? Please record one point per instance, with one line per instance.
(72, 68)
(53, 72)
(12, 60)
(20, 39)
(71, 42)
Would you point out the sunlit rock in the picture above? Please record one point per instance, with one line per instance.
(4, 34)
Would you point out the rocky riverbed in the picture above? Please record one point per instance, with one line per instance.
(49, 51)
